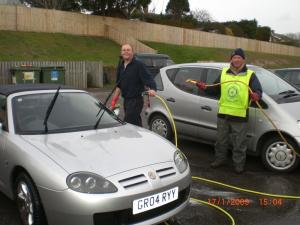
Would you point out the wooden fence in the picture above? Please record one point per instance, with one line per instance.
(122, 37)
(79, 74)
(19, 18)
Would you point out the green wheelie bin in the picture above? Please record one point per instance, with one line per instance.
(25, 75)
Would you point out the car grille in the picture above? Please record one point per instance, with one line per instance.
(141, 179)
(166, 172)
(133, 181)
(123, 217)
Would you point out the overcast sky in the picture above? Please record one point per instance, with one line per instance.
(283, 16)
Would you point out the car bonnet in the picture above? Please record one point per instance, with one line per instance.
(104, 151)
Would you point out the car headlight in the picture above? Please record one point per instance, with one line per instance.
(90, 183)
(180, 161)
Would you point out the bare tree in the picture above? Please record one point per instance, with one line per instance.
(295, 36)
(202, 15)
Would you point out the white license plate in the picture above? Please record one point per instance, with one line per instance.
(154, 201)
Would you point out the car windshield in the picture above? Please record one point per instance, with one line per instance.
(273, 85)
(72, 111)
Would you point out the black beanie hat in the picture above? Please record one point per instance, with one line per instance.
(238, 51)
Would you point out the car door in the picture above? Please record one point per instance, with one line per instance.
(209, 109)
(209, 106)
(183, 99)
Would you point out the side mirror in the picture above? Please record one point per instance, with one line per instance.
(116, 110)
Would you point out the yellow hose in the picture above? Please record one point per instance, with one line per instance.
(217, 207)
(245, 190)
(220, 183)
(260, 108)
(176, 144)
(170, 116)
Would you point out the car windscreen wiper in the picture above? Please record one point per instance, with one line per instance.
(290, 95)
(101, 106)
(49, 110)
(286, 92)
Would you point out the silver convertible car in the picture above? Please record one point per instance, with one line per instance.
(68, 160)
(195, 112)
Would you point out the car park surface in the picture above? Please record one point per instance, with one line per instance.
(68, 160)
(195, 112)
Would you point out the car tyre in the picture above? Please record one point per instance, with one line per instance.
(28, 201)
(278, 157)
(159, 124)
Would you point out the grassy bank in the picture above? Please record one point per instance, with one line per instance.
(16, 46)
(185, 54)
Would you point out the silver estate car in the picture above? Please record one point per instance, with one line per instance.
(68, 160)
(195, 112)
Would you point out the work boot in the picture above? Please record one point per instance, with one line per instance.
(217, 163)
(239, 169)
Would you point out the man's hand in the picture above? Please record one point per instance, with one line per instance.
(151, 93)
(113, 102)
(201, 85)
(254, 97)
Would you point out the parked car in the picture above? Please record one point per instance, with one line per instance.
(67, 159)
(292, 75)
(195, 112)
(154, 62)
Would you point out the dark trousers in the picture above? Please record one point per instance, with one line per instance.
(235, 131)
(133, 108)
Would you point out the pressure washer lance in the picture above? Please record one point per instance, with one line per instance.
(259, 106)
(146, 93)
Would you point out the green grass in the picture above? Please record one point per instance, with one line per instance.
(186, 54)
(16, 46)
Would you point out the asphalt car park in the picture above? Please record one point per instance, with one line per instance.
(260, 210)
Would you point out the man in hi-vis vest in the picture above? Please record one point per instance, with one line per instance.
(233, 109)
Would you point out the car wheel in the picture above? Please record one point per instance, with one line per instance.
(278, 156)
(160, 125)
(28, 201)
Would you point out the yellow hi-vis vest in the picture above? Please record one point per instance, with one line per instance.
(234, 94)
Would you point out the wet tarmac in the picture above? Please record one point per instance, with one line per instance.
(245, 208)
